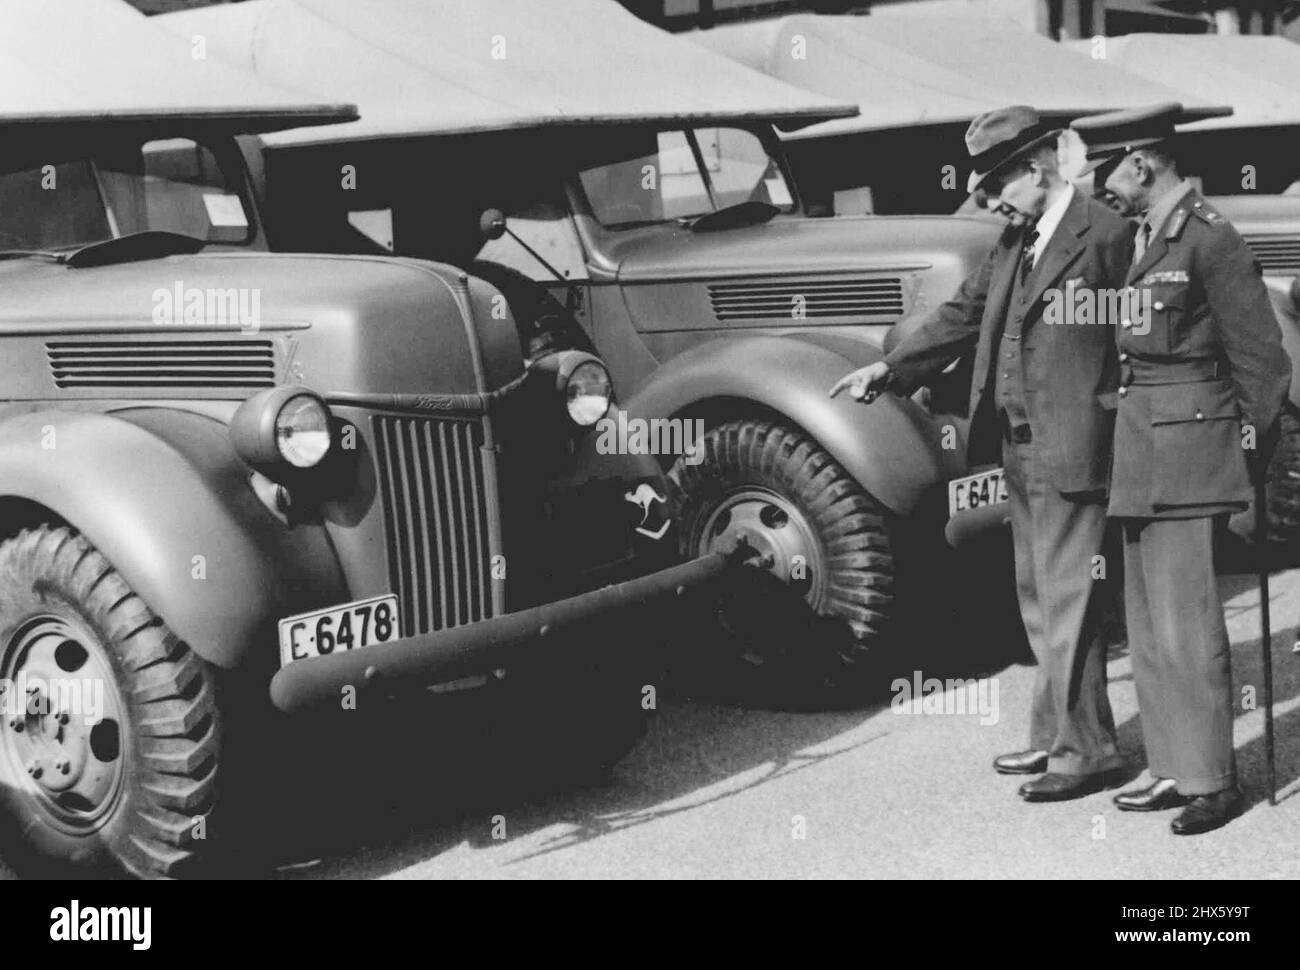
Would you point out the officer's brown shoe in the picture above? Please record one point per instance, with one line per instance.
(1156, 797)
(1021, 763)
(1059, 788)
(1208, 812)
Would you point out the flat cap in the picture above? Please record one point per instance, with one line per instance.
(1116, 133)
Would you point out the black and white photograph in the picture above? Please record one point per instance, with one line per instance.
(645, 440)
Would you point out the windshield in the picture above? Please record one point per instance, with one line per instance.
(174, 185)
(662, 176)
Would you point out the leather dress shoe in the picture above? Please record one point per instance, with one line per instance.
(1156, 797)
(1059, 788)
(1021, 763)
(1204, 813)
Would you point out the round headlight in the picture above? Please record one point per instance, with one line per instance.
(588, 393)
(302, 431)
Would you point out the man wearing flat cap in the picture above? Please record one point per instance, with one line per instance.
(1042, 399)
(1200, 390)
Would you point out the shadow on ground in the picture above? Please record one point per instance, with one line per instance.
(411, 787)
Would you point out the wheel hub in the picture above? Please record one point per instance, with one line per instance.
(782, 541)
(60, 738)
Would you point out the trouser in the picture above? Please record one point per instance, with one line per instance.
(1179, 646)
(1056, 540)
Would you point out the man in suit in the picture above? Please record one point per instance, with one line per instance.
(1200, 392)
(1042, 395)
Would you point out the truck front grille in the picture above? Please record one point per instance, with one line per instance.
(435, 508)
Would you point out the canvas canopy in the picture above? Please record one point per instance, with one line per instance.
(101, 60)
(1259, 76)
(434, 67)
(909, 70)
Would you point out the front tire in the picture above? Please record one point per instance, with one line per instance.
(133, 788)
(824, 600)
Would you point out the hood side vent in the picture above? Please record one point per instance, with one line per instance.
(159, 364)
(874, 299)
(1276, 254)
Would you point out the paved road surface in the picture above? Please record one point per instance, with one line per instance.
(721, 792)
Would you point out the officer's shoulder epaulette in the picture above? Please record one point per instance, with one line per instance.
(1207, 215)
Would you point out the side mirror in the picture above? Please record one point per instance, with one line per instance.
(492, 223)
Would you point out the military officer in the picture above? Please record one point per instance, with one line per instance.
(1042, 398)
(1202, 379)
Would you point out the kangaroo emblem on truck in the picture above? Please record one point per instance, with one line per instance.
(644, 498)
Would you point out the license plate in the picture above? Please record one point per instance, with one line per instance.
(347, 627)
(977, 491)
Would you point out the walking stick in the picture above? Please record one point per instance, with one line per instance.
(1266, 628)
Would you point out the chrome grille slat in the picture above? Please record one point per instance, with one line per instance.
(437, 597)
(417, 485)
(480, 537)
(431, 479)
(453, 524)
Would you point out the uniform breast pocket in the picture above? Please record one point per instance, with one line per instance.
(1197, 455)
(1162, 309)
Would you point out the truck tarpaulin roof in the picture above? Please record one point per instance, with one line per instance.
(436, 67)
(78, 61)
(1258, 76)
(909, 70)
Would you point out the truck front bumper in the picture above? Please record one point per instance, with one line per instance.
(478, 647)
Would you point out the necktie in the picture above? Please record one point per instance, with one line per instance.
(1141, 241)
(1027, 255)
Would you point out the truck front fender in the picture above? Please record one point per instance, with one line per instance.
(176, 518)
(891, 447)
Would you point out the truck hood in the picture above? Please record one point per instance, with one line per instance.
(797, 245)
(227, 323)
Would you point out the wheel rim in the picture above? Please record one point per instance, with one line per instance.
(776, 530)
(55, 674)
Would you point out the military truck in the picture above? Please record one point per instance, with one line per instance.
(665, 222)
(237, 486)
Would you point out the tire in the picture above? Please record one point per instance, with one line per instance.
(793, 632)
(1283, 486)
(128, 790)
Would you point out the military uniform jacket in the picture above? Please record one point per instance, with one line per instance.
(1210, 362)
(1070, 370)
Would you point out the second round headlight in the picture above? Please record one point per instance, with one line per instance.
(302, 431)
(588, 393)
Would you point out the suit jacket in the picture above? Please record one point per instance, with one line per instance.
(1071, 372)
(1210, 361)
